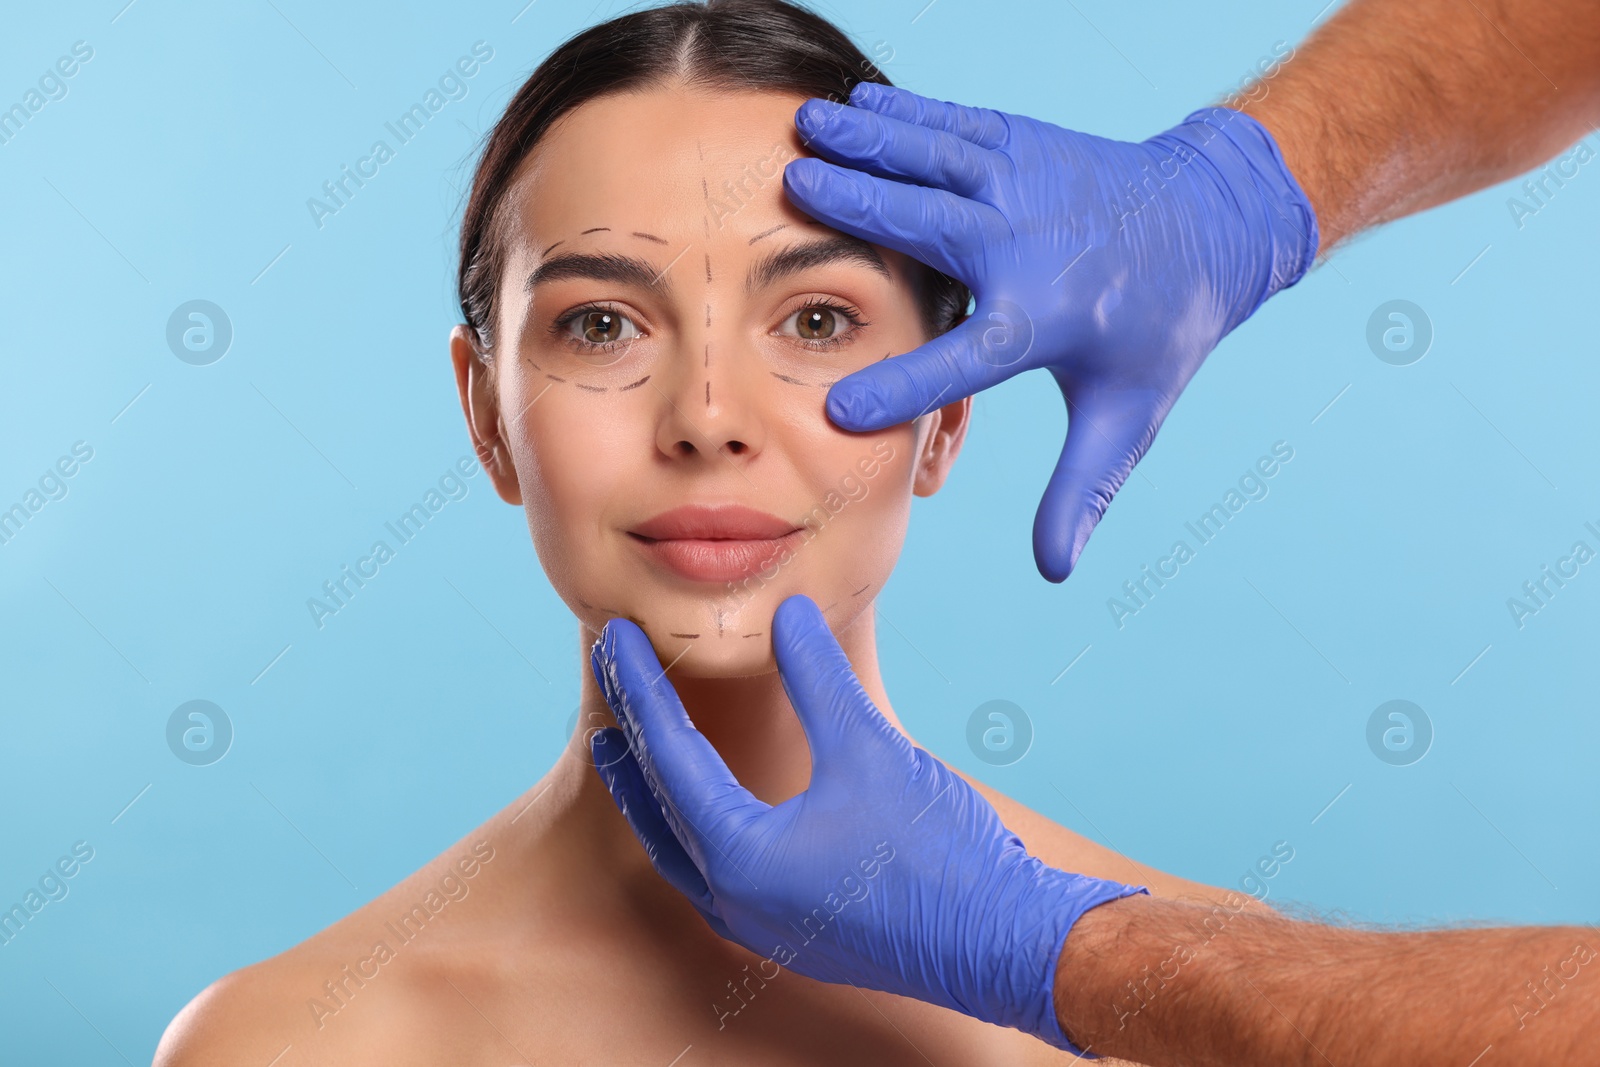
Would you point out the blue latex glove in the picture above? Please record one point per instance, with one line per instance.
(889, 871)
(1116, 266)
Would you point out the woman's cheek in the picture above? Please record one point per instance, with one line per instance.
(573, 472)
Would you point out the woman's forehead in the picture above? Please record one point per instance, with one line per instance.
(684, 164)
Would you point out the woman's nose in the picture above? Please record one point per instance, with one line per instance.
(710, 404)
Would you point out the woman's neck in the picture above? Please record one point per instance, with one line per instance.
(749, 721)
(567, 827)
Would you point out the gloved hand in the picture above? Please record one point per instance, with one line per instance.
(1116, 266)
(889, 871)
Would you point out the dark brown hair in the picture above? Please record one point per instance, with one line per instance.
(721, 44)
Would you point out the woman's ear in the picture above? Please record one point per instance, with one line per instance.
(481, 406)
(943, 443)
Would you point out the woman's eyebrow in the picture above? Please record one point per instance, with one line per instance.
(598, 266)
(840, 247)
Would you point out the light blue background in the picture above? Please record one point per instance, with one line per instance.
(1219, 720)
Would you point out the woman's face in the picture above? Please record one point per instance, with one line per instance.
(668, 327)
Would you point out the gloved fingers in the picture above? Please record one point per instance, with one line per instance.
(1107, 435)
(939, 228)
(892, 148)
(980, 125)
(953, 365)
(631, 793)
(698, 795)
(839, 719)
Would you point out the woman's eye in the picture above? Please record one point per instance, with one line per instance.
(600, 326)
(816, 323)
(822, 324)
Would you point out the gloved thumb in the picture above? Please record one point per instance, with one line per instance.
(1107, 435)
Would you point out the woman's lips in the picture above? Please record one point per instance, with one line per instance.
(714, 544)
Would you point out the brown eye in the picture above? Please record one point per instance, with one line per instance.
(599, 326)
(815, 323)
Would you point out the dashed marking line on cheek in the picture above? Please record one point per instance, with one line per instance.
(863, 589)
(708, 266)
(708, 314)
(592, 388)
(797, 381)
(690, 636)
(708, 353)
(553, 378)
(633, 385)
(758, 633)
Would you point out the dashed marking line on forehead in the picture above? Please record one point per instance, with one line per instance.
(633, 385)
(553, 247)
(594, 229)
(767, 233)
(650, 237)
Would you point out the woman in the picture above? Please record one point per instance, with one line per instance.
(650, 332)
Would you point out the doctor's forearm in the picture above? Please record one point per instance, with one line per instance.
(1166, 982)
(1393, 106)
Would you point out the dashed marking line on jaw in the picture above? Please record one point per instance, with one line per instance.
(863, 589)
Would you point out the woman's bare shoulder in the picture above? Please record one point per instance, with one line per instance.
(1071, 851)
(355, 991)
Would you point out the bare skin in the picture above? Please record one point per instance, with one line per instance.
(1387, 110)
(563, 945)
(1392, 108)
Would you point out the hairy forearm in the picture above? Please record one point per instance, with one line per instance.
(1168, 982)
(1393, 106)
